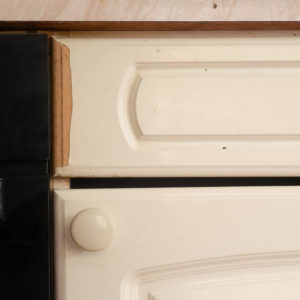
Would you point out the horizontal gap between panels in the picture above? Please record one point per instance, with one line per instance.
(90, 183)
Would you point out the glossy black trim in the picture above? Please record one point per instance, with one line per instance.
(89, 183)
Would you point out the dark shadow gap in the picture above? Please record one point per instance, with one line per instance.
(90, 183)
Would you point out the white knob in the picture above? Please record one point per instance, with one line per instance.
(91, 229)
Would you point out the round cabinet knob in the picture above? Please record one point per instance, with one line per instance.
(91, 229)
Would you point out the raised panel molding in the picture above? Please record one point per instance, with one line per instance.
(259, 276)
(191, 103)
(183, 104)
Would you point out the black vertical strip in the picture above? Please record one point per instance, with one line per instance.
(51, 287)
(24, 239)
(24, 176)
(2, 206)
(24, 107)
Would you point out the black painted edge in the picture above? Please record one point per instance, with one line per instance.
(51, 253)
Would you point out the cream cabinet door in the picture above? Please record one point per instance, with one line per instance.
(177, 104)
(179, 243)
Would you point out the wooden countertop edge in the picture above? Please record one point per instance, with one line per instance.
(148, 25)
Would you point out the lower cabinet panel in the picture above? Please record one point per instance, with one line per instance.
(178, 243)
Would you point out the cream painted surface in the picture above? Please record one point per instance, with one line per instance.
(154, 10)
(188, 243)
(203, 99)
(184, 104)
(91, 229)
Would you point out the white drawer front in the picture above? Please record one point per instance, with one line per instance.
(184, 104)
(188, 243)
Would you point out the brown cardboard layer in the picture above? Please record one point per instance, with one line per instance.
(62, 103)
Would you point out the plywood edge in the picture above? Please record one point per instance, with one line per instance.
(149, 25)
(62, 104)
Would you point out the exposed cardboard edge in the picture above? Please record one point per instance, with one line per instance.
(60, 184)
(62, 104)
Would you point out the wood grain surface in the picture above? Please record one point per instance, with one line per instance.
(144, 26)
(150, 10)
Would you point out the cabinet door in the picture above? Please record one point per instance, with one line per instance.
(177, 104)
(171, 243)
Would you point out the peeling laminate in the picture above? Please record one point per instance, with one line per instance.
(62, 104)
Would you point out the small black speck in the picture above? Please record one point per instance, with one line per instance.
(224, 148)
(205, 70)
(294, 34)
(215, 5)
